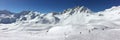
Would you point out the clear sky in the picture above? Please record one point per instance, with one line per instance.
(55, 5)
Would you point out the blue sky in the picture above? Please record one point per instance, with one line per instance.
(55, 5)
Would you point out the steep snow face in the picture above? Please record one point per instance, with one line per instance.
(28, 16)
(50, 18)
(78, 15)
(74, 11)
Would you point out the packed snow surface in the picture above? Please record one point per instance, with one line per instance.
(78, 23)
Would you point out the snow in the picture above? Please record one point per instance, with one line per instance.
(78, 23)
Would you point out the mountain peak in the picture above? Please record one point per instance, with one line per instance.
(78, 9)
(5, 12)
(82, 9)
(114, 8)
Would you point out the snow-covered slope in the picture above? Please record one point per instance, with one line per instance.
(78, 23)
(78, 15)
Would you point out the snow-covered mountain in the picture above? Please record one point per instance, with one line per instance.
(79, 23)
(49, 18)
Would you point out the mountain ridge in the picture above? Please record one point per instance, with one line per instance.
(49, 18)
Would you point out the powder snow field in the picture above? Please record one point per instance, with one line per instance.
(63, 33)
(73, 24)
